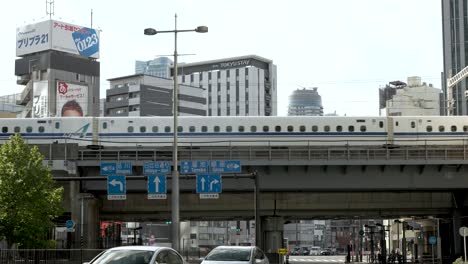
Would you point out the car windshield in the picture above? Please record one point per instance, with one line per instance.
(125, 257)
(229, 254)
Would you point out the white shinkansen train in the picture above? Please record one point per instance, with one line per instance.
(232, 131)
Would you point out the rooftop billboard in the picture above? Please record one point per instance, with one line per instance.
(56, 35)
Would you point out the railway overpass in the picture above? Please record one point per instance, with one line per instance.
(277, 184)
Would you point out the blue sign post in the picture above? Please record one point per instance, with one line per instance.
(209, 185)
(113, 167)
(193, 166)
(225, 166)
(157, 187)
(210, 166)
(156, 167)
(116, 188)
(70, 225)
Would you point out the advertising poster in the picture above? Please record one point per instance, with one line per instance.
(72, 99)
(56, 35)
(40, 99)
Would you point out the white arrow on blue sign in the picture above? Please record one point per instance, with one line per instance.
(156, 167)
(113, 167)
(225, 166)
(116, 187)
(209, 183)
(157, 187)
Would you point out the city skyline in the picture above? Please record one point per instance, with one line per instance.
(347, 55)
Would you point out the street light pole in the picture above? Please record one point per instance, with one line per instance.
(175, 171)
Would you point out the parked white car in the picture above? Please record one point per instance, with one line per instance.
(315, 251)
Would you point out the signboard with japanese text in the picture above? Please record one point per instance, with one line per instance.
(40, 99)
(72, 99)
(56, 35)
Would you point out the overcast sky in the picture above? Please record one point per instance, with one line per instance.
(348, 49)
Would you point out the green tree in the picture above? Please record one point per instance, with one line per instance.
(29, 197)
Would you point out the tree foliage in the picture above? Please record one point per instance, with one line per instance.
(29, 197)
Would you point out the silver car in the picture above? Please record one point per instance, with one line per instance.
(138, 255)
(236, 255)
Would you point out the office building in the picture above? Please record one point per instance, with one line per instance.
(238, 86)
(159, 67)
(411, 99)
(455, 50)
(57, 70)
(144, 95)
(305, 102)
(8, 106)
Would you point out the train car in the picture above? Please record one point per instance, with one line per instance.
(241, 131)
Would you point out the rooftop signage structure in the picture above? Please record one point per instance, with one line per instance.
(56, 35)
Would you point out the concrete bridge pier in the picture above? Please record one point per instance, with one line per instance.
(272, 237)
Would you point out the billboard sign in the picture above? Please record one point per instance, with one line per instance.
(72, 99)
(56, 35)
(40, 99)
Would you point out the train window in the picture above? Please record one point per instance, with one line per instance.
(302, 128)
(192, 129)
(339, 128)
(204, 129)
(351, 128)
(167, 129)
(441, 128)
(363, 128)
(413, 124)
(130, 129)
(266, 128)
(241, 128)
(314, 128)
(142, 129)
(465, 128)
(453, 128)
(396, 123)
(4, 129)
(381, 124)
(290, 128)
(154, 129)
(29, 129)
(41, 122)
(17, 129)
(41, 129)
(216, 129)
(361, 121)
(180, 129)
(253, 129)
(229, 129)
(429, 128)
(104, 125)
(57, 125)
(326, 128)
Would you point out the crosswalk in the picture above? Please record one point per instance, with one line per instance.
(293, 259)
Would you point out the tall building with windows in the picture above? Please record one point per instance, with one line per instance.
(305, 102)
(455, 44)
(159, 67)
(238, 86)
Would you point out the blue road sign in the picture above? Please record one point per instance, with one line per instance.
(156, 184)
(194, 166)
(432, 240)
(225, 166)
(116, 187)
(156, 167)
(113, 167)
(209, 183)
(108, 168)
(69, 224)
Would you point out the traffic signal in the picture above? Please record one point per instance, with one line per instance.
(168, 222)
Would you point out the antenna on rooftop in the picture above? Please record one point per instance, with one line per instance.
(91, 18)
(50, 8)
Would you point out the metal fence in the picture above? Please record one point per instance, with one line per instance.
(47, 256)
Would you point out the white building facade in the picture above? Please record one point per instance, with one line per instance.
(238, 86)
(415, 99)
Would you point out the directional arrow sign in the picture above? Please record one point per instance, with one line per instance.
(225, 166)
(108, 168)
(209, 183)
(114, 167)
(157, 187)
(116, 187)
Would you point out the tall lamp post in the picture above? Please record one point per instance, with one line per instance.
(175, 171)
